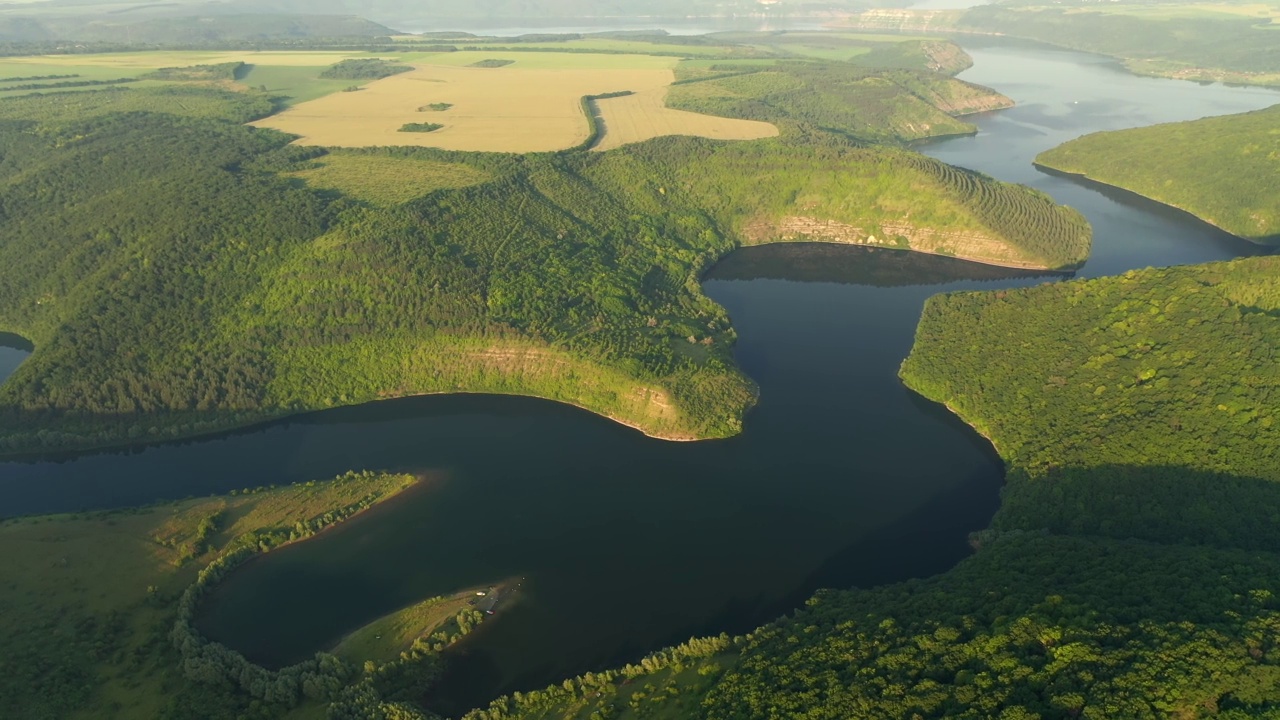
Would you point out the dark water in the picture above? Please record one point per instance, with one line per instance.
(842, 477)
(13, 350)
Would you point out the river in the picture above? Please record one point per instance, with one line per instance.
(842, 477)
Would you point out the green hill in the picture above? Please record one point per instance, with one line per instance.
(877, 105)
(176, 278)
(1225, 170)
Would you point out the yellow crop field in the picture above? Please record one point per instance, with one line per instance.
(645, 115)
(531, 105)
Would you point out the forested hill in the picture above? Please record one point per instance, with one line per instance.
(1224, 170)
(1131, 572)
(184, 285)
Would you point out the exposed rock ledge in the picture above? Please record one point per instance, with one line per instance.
(973, 246)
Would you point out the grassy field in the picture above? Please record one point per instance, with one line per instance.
(531, 105)
(437, 620)
(29, 67)
(645, 115)
(387, 180)
(87, 599)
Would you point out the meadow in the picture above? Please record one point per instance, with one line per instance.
(384, 179)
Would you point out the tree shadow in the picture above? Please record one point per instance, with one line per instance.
(1159, 503)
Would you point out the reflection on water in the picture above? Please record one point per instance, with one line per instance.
(13, 350)
(874, 267)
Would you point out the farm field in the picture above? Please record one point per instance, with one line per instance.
(531, 105)
(645, 115)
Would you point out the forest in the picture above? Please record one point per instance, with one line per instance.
(1186, 351)
(281, 299)
(364, 69)
(1225, 170)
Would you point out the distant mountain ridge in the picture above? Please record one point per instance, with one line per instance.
(176, 29)
(201, 20)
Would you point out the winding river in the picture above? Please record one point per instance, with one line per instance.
(625, 544)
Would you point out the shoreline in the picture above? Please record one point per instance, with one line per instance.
(271, 419)
(1012, 265)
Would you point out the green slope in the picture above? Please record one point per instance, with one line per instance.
(1225, 170)
(177, 278)
(1161, 366)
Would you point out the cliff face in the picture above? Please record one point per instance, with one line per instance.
(974, 246)
(945, 56)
